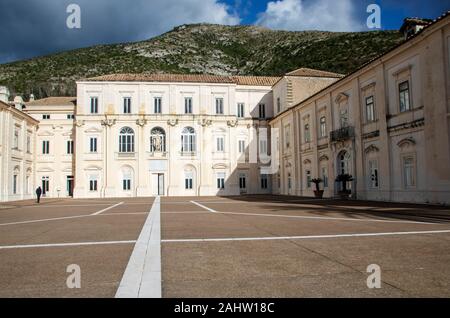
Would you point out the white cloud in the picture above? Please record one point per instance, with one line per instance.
(297, 15)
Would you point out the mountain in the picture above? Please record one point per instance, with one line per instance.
(200, 48)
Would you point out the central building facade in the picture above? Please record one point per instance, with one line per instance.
(170, 135)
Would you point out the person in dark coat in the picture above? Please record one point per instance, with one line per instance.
(38, 194)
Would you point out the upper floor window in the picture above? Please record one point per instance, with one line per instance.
(45, 147)
(220, 144)
(188, 140)
(126, 140)
(94, 105)
(45, 117)
(28, 144)
(307, 133)
(93, 144)
(287, 136)
(343, 118)
(219, 106)
(404, 96)
(127, 105)
(370, 109)
(278, 104)
(69, 149)
(241, 146)
(16, 139)
(157, 105)
(70, 116)
(188, 105)
(158, 140)
(323, 126)
(262, 111)
(240, 110)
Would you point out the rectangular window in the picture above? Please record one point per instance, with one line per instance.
(373, 174)
(323, 127)
(70, 116)
(127, 105)
(220, 143)
(16, 139)
(93, 144)
(241, 146)
(289, 181)
(262, 111)
(94, 105)
(15, 184)
(370, 109)
(308, 179)
(325, 177)
(126, 184)
(404, 96)
(240, 110)
(189, 180)
(263, 147)
(409, 174)
(307, 133)
(46, 117)
(242, 182)
(278, 105)
(219, 106)
(264, 181)
(69, 149)
(45, 185)
(343, 118)
(45, 147)
(93, 185)
(28, 144)
(188, 105)
(157, 105)
(287, 136)
(221, 181)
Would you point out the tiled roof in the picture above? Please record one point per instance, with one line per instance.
(54, 101)
(187, 78)
(309, 72)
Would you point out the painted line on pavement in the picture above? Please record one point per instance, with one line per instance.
(108, 208)
(65, 244)
(205, 207)
(142, 276)
(305, 237)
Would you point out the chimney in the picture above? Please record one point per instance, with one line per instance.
(31, 97)
(4, 94)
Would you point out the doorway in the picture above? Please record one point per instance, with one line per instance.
(69, 186)
(158, 184)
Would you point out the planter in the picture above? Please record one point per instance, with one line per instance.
(318, 194)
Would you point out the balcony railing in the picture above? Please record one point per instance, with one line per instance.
(342, 134)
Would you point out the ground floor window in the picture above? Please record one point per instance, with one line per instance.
(289, 181)
(93, 184)
(373, 174)
(45, 185)
(308, 178)
(264, 181)
(325, 177)
(409, 179)
(221, 180)
(126, 184)
(15, 177)
(242, 182)
(188, 180)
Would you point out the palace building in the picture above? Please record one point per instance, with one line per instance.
(387, 125)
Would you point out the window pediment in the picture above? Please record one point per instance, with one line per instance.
(371, 148)
(407, 142)
(341, 98)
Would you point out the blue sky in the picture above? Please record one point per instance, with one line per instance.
(30, 28)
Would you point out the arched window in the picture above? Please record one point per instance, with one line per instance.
(158, 140)
(188, 140)
(126, 140)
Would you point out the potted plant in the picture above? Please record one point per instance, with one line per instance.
(344, 179)
(318, 193)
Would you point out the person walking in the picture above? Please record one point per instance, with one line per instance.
(38, 194)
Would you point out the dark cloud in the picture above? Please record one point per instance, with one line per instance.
(31, 28)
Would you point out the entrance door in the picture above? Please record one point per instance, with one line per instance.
(161, 184)
(70, 186)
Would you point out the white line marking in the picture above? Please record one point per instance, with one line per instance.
(108, 208)
(205, 207)
(185, 212)
(65, 244)
(47, 220)
(61, 206)
(125, 213)
(270, 238)
(312, 217)
(142, 277)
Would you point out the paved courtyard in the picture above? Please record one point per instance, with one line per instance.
(255, 246)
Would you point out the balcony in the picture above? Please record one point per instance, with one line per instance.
(343, 134)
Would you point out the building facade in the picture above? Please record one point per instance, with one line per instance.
(17, 149)
(387, 125)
